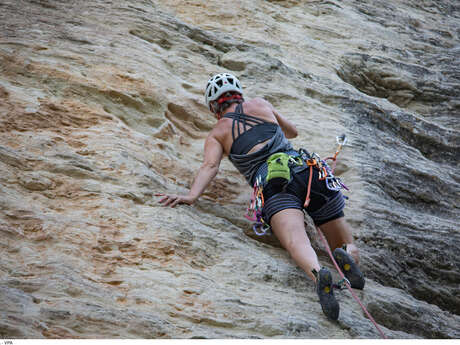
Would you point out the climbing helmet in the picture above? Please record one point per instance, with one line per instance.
(219, 85)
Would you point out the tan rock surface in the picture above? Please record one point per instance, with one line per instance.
(101, 107)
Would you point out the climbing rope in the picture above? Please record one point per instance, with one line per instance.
(347, 284)
(335, 183)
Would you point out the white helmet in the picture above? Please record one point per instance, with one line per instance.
(220, 84)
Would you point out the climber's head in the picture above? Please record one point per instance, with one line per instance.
(222, 90)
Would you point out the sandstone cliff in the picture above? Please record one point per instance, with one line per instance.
(101, 107)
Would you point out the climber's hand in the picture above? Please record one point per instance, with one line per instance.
(172, 200)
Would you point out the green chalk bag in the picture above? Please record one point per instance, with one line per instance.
(278, 167)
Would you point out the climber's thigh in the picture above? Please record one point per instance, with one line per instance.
(289, 227)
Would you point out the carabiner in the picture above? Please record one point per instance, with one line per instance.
(333, 183)
(341, 284)
(322, 174)
(259, 225)
(341, 140)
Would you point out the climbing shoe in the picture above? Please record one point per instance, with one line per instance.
(349, 268)
(324, 288)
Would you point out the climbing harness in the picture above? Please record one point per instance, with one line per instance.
(279, 167)
(347, 284)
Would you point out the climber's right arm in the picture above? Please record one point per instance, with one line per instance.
(213, 154)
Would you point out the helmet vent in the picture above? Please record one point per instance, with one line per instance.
(219, 83)
(230, 80)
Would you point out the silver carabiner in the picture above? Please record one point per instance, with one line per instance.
(341, 140)
(333, 183)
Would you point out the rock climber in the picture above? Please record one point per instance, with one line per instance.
(249, 132)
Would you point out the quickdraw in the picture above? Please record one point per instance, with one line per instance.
(341, 142)
(254, 211)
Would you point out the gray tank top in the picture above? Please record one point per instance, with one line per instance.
(249, 164)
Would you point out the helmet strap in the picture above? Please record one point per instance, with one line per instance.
(224, 99)
(212, 107)
(218, 106)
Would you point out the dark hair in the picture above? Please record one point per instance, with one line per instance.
(219, 108)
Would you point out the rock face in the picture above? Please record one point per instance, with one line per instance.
(101, 107)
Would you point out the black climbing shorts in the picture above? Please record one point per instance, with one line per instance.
(325, 205)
